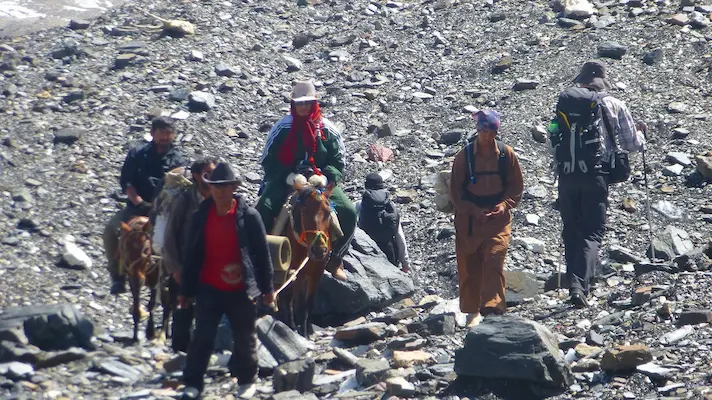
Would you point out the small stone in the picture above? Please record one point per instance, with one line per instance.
(539, 133)
(293, 64)
(124, 60)
(677, 107)
(586, 365)
(503, 64)
(200, 101)
(678, 19)
(79, 24)
(68, 135)
(525, 84)
(370, 372)
(694, 317)
(653, 57)
(361, 334)
(680, 133)
(399, 386)
(673, 170)
(678, 158)
(584, 350)
(74, 257)
(611, 50)
(196, 55)
(226, 70)
(253, 177)
(404, 359)
(626, 358)
(655, 371)
(532, 219)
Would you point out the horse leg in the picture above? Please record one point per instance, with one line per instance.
(284, 304)
(136, 310)
(310, 301)
(168, 304)
(150, 327)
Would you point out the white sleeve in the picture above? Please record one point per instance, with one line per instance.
(402, 246)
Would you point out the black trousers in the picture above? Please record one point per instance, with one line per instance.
(583, 201)
(211, 305)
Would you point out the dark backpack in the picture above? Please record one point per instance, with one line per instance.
(472, 174)
(379, 218)
(577, 141)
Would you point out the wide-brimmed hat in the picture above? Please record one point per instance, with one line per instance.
(303, 91)
(222, 174)
(593, 73)
(374, 181)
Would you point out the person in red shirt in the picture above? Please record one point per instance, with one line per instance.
(227, 265)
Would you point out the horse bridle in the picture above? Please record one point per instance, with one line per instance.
(145, 252)
(301, 234)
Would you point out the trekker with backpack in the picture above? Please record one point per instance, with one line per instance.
(379, 218)
(486, 184)
(588, 159)
(177, 230)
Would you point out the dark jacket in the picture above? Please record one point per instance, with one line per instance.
(145, 168)
(178, 232)
(256, 259)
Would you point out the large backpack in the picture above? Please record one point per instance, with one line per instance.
(175, 183)
(577, 141)
(472, 174)
(379, 219)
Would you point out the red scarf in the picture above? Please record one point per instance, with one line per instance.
(306, 128)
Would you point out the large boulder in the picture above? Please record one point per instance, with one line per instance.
(49, 327)
(513, 348)
(670, 243)
(373, 283)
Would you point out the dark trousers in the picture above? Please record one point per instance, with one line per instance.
(582, 203)
(211, 305)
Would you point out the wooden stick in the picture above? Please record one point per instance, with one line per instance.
(292, 278)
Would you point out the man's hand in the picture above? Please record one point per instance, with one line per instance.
(496, 212)
(268, 298)
(183, 302)
(133, 196)
(405, 267)
(176, 277)
(642, 127)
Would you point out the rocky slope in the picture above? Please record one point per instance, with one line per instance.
(405, 75)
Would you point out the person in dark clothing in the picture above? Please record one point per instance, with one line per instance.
(227, 265)
(583, 188)
(142, 173)
(379, 218)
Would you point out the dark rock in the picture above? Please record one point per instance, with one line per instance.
(503, 64)
(71, 97)
(557, 280)
(301, 40)
(441, 324)
(653, 57)
(511, 347)
(595, 339)
(398, 315)
(283, 343)
(124, 60)
(519, 286)
(452, 137)
(294, 375)
(68, 135)
(497, 16)
(79, 24)
(611, 50)
(343, 40)
(180, 94)
(370, 372)
(373, 283)
(50, 327)
(226, 70)
(361, 334)
(645, 267)
(525, 84)
(694, 260)
(694, 317)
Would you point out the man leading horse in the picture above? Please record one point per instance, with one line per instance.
(305, 139)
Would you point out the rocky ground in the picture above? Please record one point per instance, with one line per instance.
(403, 75)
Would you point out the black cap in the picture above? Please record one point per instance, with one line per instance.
(374, 181)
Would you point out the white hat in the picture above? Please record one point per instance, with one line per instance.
(304, 91)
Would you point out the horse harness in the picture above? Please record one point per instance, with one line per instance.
(300, 234)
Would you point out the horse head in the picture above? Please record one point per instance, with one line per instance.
(135, 246)
(312, 216)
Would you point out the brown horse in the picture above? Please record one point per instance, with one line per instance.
(138, 263)
(310, 230)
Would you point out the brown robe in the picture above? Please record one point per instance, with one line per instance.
(482, 246)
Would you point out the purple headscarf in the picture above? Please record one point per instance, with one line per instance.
(487, 119)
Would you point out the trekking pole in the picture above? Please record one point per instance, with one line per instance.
(647, 199)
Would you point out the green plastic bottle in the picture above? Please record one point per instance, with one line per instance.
(553, 126)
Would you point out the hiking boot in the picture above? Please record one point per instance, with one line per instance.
(578, 300)
(118, 286)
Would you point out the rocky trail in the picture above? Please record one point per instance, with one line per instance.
(403, 76)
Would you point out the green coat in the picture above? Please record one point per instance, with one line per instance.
(330, 155)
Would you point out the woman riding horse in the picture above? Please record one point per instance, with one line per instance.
(306, 138)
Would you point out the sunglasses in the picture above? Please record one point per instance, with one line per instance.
(304, 103)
